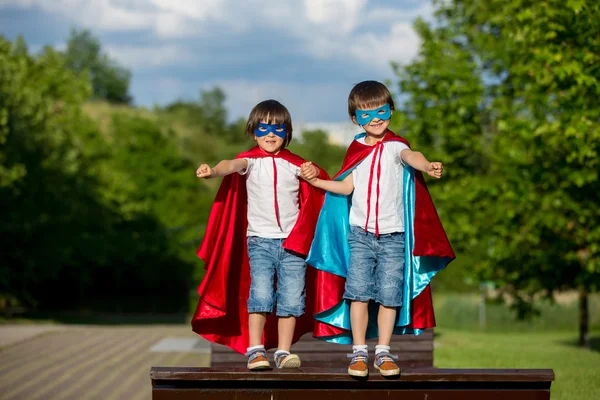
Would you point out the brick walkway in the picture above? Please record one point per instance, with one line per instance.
(92, 362)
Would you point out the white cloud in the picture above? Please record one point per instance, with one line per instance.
(400, 44)
(391, 15)
(194, 9)
(166, 19)
(336, 16)
(137, 57)
(18, 3)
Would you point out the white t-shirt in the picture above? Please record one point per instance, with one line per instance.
(391, 207)
(262, 220)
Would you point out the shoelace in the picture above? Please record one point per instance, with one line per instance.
(358, 356)
(252, 354)
(385, 356)
(279, 357)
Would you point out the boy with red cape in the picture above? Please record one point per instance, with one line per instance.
(378, 231)
(261, 225)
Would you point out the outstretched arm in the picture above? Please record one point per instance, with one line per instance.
(418, 161)
(223, 168)
(344, 187)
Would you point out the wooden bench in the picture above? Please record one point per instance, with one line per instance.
(414, 351)
(177, 383)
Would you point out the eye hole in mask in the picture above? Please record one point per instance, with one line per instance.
(363, 117)
(264, 129)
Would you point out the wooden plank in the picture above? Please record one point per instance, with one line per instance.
(334, 383)
(340, 374)
(286, 394)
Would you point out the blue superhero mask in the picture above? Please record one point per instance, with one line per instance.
(264, 129)
(363, 117)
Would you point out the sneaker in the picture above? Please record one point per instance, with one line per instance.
(287, 360)
(384, 362)
(257, 360)
(358, 366)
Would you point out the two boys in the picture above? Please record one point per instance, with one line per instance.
(379, 231)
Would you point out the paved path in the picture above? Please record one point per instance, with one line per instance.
(13, 334)
(91, 362)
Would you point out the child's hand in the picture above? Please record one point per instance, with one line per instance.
(435, 169)
(308, 171)
(204, 171)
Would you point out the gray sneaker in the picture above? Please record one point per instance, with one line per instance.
(257, 360)
(358, 366)
(386, 365)
(287, 360)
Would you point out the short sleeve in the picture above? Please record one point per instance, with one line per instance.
(399, 148)
(250, 164)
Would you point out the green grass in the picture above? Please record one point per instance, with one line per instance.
(547, 341)
(577, 370)
(461, 312)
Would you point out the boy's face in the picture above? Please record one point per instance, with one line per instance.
(271, 143)
(377, 126)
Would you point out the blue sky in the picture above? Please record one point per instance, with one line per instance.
(305, 53)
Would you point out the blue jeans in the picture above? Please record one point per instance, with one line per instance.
(267, 257)
(376, 270)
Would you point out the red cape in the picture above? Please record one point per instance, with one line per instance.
(430, 240)
(222, 314)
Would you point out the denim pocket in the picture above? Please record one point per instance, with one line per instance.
(252, 240)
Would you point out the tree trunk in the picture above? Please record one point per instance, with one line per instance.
(584, 317)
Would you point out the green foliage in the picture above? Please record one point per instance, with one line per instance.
(109, 80)
(41, 162)
(86, 214)
(202, 127)
(505, 93)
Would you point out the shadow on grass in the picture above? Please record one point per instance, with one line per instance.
(81, 318)
(594, 343)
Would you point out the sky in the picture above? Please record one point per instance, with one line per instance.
(305, 53)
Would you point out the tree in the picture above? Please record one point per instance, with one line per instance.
(42, 163)
(109, 80)
(205, 121)
(87, 213)
(506, 93)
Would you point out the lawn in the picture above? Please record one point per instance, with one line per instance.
(545, 342)
(577, 370)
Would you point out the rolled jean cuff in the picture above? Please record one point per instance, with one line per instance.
(260, 310)
(357, 298)
(389, 304)
(289, 313)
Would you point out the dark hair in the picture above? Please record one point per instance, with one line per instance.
(273, 112)
(368, 95)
